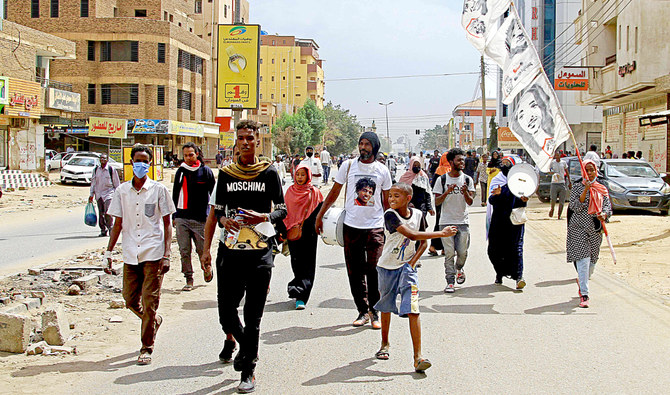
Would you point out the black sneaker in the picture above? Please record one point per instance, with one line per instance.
(226, 355)
(247, 382)
(498, 280)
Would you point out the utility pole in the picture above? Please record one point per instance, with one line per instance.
(483, 76)
(388, 136)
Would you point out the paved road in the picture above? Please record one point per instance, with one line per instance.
(41, 238)
(483, 338)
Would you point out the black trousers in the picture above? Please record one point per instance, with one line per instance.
(239, 273)
(303, 260)
(362, 250)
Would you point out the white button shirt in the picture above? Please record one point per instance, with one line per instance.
(142, 213)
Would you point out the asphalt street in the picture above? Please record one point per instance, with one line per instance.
(482, 339)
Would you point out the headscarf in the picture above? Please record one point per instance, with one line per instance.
(495, 162)
(444, 166)
(246, 172)
(597, 190)
(505, 169)
(301, 200)
(419, 179)
(374, 140)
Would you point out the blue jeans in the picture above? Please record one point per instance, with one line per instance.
(326, 173)
(455, 246)
(584, 271)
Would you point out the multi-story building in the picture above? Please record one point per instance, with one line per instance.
(290, 73)
(630, 75)
(550, 26)
(468, 121)
(138, 60)
(27, 93)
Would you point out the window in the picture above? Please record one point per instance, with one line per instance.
(116, 12)
(83, 12)
(91, 93)
(283, 78)
(283, 95)
(190, 62)
(273, 61)
(119, 93)
(297, 95)
(261, 78)
(283, 60)
(225, 11)
(91, 50)
(165, 15)
(466, 113)
(635, 39)
(272, 96)
(54, 8)
(34, 8)
(627, 38)
(619, 36)
(140, 13)
(261, 96)
(171, 18)
(160, 95)
(198, 6)
(273, 78)
(297, 77)
(183, 99)
(261, 61)
(273, 42)
(119, 51)
(161, 52)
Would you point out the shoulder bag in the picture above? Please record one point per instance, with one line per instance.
(518, 215)
(295, 233)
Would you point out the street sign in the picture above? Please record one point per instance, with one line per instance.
(238, 68)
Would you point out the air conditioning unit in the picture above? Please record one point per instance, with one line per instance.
(18, 123)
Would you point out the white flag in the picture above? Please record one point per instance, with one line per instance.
(512, 49)
(538, 122)
(480, 19)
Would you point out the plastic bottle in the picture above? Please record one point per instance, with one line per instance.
(231, 238)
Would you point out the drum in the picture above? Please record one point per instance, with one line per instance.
(333, 227)
(522, 180)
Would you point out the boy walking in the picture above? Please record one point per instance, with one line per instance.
(397, 269)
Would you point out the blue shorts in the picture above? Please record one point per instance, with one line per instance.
(403, 281)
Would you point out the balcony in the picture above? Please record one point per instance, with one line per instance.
(311, 68)
(47, 83)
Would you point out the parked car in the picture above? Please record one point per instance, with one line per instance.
(52, 159)
(544, 188)
(71, 155)
(80, 168)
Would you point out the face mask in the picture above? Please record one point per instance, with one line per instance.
(505, 170)
(416, 170)
(309, 154)
(140, 169)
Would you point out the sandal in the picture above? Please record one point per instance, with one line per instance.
(144, 359)
(421, 365)
(187, 288)
(383, 353)
(209, 273)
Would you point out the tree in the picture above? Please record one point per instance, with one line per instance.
(435, 138)
(316, 121)
(342, 130)
(493, 135)
(292, 133)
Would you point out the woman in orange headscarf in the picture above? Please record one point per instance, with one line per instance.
(589, 206)
(443, 168)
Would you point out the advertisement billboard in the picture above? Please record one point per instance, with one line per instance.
(151, 126)
(186, 129)
(107, 127)
(238, 67)
(507, 140)
(571, 79)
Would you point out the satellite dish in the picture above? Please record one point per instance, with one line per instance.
(522, 180)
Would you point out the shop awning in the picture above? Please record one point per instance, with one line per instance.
(210, 129)
(186, 129)
(655, 118)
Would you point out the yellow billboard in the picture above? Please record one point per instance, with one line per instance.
(107, 127)
(238, 67)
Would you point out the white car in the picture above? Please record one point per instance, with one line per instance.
(52, 160)
(80, 169)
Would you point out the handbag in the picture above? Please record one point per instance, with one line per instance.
(295, 233)
(518, 215)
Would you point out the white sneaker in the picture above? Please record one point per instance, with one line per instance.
(450, 289)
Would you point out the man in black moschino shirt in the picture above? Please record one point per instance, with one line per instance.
(246, 201)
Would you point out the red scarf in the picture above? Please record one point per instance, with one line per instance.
(182, 204)
(597, 190)
(301, 200)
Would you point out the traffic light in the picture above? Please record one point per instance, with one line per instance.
(418, 131)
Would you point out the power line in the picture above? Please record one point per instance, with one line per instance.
(401, 76)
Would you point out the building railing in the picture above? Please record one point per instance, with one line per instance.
(47, 83)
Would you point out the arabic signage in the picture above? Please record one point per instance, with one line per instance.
(63, 100)
(226, 140)
(66, 129)
(627, 68)
(571, 79)
(507, 140)
(238, 66)
(4, 90)
(24, 99)
(107, 127)
(151, 126)
(186, 129)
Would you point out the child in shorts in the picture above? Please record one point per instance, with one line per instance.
(397, 272)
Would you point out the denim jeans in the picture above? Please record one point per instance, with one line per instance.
(584, 271)
(455, 246)
(326, 173)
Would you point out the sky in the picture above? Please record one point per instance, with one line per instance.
(379, 38)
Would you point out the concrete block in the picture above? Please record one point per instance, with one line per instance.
(32, 303)
(87, 281)
(55, 327)
(38, 294)
(14, 332)
(17, 308)
(34, 272)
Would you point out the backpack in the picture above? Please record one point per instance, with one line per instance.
(111, 172)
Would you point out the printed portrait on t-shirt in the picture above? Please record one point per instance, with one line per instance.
(365, 191)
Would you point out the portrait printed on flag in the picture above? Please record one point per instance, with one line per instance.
(480, 19)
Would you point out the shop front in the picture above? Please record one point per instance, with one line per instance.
(22, 147)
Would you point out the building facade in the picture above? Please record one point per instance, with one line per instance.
(631, 73)
(27, 93)
(468, 121)
(550, 26)
(139, 60)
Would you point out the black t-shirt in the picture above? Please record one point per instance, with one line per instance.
(258, 194)
(470, 166)
(392, 222)
(433, 164)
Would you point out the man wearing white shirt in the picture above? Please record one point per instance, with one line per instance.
(314, 165)
(142, 209)
(325, 164)
(592, 154)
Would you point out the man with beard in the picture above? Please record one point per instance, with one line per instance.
(455, 190)
(363, 225)
(314, 165)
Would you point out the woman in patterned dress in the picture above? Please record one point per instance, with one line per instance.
(589, 207)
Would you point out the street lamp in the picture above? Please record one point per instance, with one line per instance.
(388, 136)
